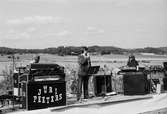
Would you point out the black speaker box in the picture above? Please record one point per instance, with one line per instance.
(165, 83)
(165, 65)
(44, 94)
(135, 84)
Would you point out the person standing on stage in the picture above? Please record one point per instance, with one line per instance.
(83, 78)
(132, 62)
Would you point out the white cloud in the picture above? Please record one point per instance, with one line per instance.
(101, 31)
(92, 29)
(57, 1)
(31, 29)
(64, 33)
(24, 35)
(11, 31)
(15, 35)
(35, 20)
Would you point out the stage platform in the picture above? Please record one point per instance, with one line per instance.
(117, 104)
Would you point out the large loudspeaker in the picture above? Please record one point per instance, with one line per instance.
(165, 65)
(135, 84)
(165, 83)
(165, 68)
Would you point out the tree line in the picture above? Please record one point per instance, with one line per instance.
(73, 50)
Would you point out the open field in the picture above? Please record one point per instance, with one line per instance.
(71, 61)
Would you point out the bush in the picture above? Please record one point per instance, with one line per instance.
(6, 84)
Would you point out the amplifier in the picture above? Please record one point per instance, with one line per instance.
(135, 84)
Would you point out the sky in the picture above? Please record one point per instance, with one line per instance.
(51, 23)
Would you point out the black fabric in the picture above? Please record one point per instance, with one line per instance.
(84, 64)
(132, 63)
(83, 81)
(135, 84)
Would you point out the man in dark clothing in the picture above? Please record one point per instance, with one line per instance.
(83, 78)
(132, 62)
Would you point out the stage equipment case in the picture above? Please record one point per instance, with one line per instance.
(42, 86)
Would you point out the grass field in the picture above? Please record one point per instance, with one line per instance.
(70, 62)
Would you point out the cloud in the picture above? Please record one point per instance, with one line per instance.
(57, 1)
(35, 20)
(16, 35)
(25, 35)
(63, 33)
(101, 31)
(92, 29)
(31, 29)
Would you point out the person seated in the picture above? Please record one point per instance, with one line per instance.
(35, 60)
(132, 62)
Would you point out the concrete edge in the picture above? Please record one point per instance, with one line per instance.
(101, 103)
(157, 111)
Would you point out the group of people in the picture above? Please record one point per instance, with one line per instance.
(84, 64)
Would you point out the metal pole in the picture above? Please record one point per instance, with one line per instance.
(13, 57)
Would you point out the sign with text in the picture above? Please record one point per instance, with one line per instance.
(43, 94)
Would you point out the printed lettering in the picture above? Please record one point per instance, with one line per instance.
(52, 99)
(46, 95)
(50, 90)
(35, 98)
(39, 99)
(39, 91)
(56, 91)
(43, 99)
(45, 88)
(56, 98)
(47, 100)
(60, 96)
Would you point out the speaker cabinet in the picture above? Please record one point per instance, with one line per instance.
(165, 65)
(135, 84)
(165, 83)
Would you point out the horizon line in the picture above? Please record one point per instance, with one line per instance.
(83, 46)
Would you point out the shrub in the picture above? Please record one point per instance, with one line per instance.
(6, 84)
